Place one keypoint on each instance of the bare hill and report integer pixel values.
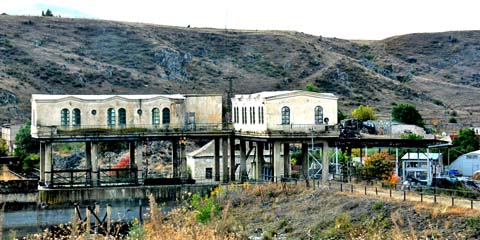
(437, 72)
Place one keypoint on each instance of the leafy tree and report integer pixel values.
(452, 120)
(465, 142)
(408, 114)
(48, 13)
(411, 136)
(364, 113)
(341, 116)
(379, 165)
(26, 149)
(3, 148)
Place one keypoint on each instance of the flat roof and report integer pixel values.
(103, 97)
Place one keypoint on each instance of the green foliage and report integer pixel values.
(3, 148)
(48, 13)
(377, 206)
(465, 142)
(411, 136)
(408, 114)
(341, 116)
(452, 120)
(136, 231)
(26, 148)
(364, 113)
(205, 208)
(312, 88)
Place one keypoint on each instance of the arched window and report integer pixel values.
(318, 115)
(285, 115)
(166, 116)
(111, 117)
(155, 116)
(65, 117)
(122, 117)
(76, 118)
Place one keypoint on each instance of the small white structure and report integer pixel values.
(467, 164)
(284, 111)
(9, 132)
(421, 166)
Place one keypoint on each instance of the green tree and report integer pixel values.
(26, 149)
(379, 165)
(48, 13)
(311, 88)
(364, 113)
(465, 142)
(408, 114)
(3, 148)
(452, 120)
(341, 116)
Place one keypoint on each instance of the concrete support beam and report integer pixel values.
(278, 166)
(232, 159)
(305, 160)
(260, 161)
(139, 160)
(286, 160)
(216, 159)
(133, 159)
(42, 162)
(88, 162)
(225, 159)
(243, 161)
(48, 164)
(325, 162)
(94, 156)
(175, 169)
(183, 162)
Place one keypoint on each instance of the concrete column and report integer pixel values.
(95, 174)
(139, 160)
(260, 161)
(42, 162)
(175, 158)
(325, 162)
(243, 160)
(286, 160)
(305, 160)
(48, 164)
(216, 158)
(232, 159)
(278, 167)
(183, 162)
(132, 162)
(225, 159)
(88, 162)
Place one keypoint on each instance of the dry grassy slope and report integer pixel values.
(79, 56)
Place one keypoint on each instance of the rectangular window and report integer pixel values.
(208, 173)
(253, 115)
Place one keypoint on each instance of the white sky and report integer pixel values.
(350, 19)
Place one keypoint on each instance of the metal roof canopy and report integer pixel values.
(375, 142)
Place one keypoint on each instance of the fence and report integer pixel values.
(411, 193)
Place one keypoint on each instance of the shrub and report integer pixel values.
(205, 208)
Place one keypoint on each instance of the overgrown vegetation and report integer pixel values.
(27, 149)
(408, 114)
(364, 113)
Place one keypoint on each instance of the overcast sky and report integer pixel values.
(350, 19)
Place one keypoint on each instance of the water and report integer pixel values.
(25, 222)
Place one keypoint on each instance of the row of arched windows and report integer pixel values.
(113, 117)
(318, 115)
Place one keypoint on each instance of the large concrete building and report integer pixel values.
(284, 111)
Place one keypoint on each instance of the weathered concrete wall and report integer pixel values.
(132, 193)
(207, 108)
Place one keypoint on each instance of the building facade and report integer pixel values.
(284, 111)
(70, 112)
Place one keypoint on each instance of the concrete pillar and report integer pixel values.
(286, 160)
(88, 162)
(216, 158)
(139, 160)
(243, 161)
(225, 159)
(95, 173)
(325, 162)
(175, 158)
(260, 161)
(132, 162)
(233, 162)
(278, 166)
(305, 160)
(42, 162)
(48, 164)
(183, 162)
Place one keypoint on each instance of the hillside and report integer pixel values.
(437, 72)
